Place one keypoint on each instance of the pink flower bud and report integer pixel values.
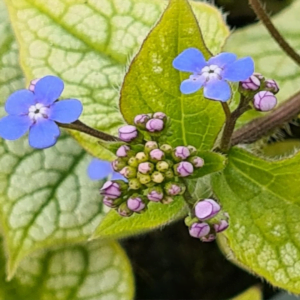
(111, 190)
(122, 151)
(182, 152)
(155, 125)
(159, 115)
(128, 133)
(199, 230)
(141, 120)
(32, 84)
(221, 226)
(155, 194)
(258, 75)
(252, 83)
(157, 155)
(184, 169)
(173, 190)
(209, 238)
(272, 86)
(264, 101)
(135, 204)
(108, 202)
(197, 161)
(145, 168)
(124, 211)
(150, 145)
(206, 209)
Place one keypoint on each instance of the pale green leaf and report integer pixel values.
(46, 197)
(263, 201)
(93, 271)
(269, 59)
(88, 43)
(253, 293)
(195, 120)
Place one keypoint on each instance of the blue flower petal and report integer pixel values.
(99, 169)
(13, 127)
(48, 89)
(43, 134)
(191, 85)
(190, 60)
(217, 90)
(66, 111)
(240, 70)
(118, 176)
(19, 102)
(222, 59)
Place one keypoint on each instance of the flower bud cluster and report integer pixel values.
(153, 169)
(262, 90)
(208, 220)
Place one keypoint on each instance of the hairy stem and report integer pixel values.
(260, 127)
(263, 16)
(79, 126)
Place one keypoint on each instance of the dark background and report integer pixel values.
(168, 263)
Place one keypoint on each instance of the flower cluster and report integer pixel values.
(153, 169)
(262, 91)
(207, 220)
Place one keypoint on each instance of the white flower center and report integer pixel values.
(211, 72)
(38, 111)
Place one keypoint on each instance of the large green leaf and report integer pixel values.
(98, 271)
(263, 201)
(114, 226)
(269, 59)
(46, 197)
(152, 84)
(87, 44)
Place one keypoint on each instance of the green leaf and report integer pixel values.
(253, 293)
(46, 197)
(152, 84)
(114, 226)
(91, 271)
(269, 59)
(213, 162)
(263, 201)
(87, 44)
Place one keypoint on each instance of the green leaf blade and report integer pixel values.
(262, 199)
(195, 120)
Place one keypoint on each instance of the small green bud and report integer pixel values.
(192, 149)
(169, 174)
(189, 221)
(150, 184)
(174, 188)
(133, 162)
(124, 211)
(196, 161)
(123, 186)
(150, 145)
(119, 164)
(167, 200)
(166, 148)
(141, 157)
(128, 172)
(144, 178)
(134, 184)
(162, 166)
(157, 177)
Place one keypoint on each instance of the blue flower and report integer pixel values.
(100, 169)
(213, 74)
(37, 111)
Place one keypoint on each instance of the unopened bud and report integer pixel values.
(144, 178)
(146, 168)
(141, 157)
(128, 133)
(208, 238)
(166, 148)
(141, 120)
(258, 75)
(221, 226)
(128, 172)
(156, 155)
(169, 174)
(181, 153)
(167, 200)
(159, 115)
(272, 86)
(111, 190)
(162, 166)
(206, 209)
(155, 125)
(264, 101)
(150, 145)
(134, 184)
(122, 151)
(118, 164)
(124, 211)
(173, 189)
(192, 149)
(199, 230)
(197, 161)
(183, 169)
(155, 194)
(252, 83)
(157, 177)
(136, 203)
(133, 162)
